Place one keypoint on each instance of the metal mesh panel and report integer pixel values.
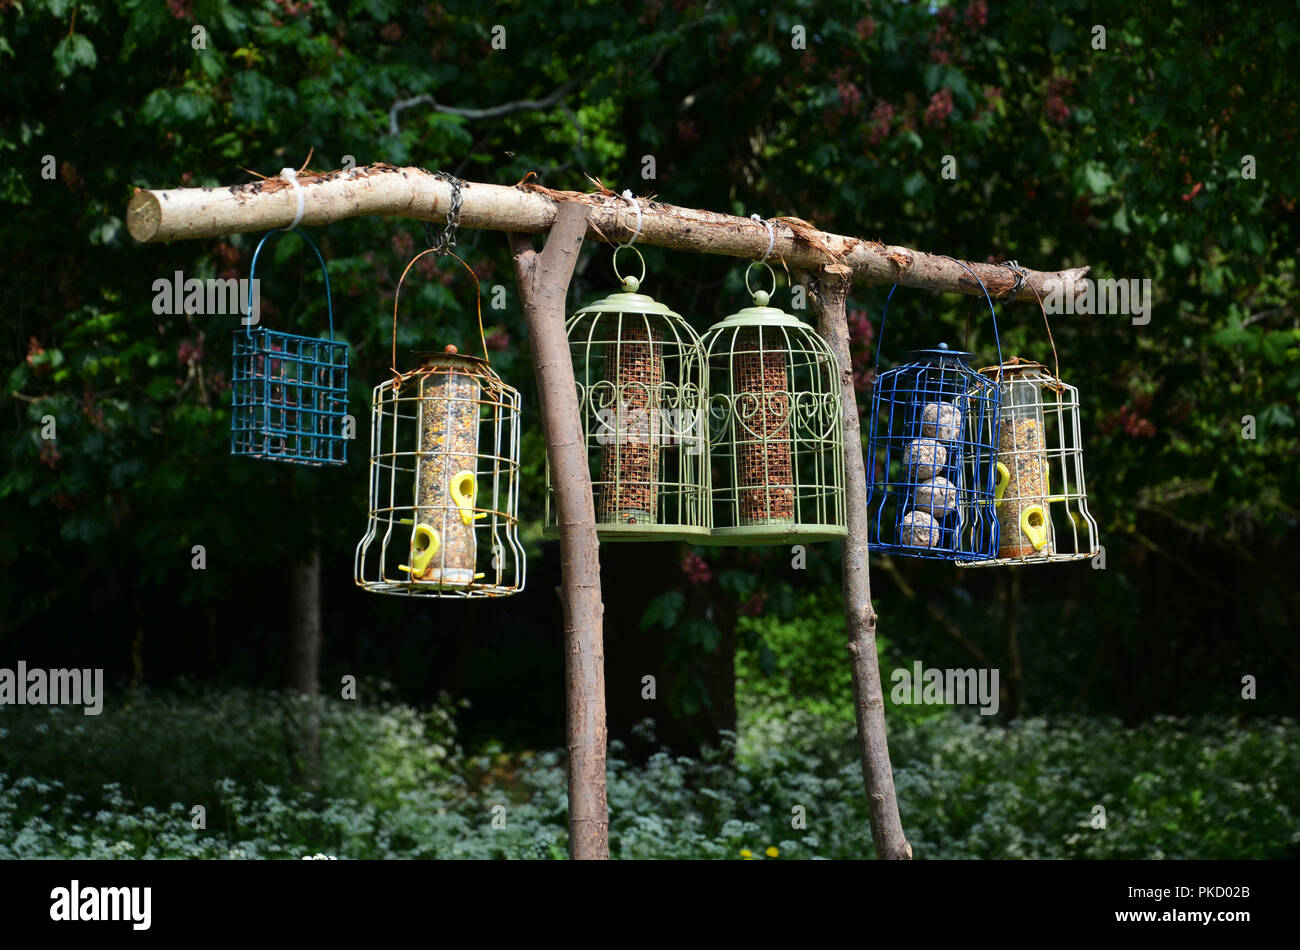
(630, 459)
(763, 465)
(289, 398)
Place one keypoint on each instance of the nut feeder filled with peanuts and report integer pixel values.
(776, 442)
(640, 376)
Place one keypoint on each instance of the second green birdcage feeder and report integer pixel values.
(640, 373)
(776, 432)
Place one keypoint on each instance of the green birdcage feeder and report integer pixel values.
(776, 432)
(641, 377)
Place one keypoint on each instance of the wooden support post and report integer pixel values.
(543, 290)
(829, 292)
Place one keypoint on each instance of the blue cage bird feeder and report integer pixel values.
(289, 393)
(931, 466)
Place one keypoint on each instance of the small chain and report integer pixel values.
(1021, 275)
(447, 240)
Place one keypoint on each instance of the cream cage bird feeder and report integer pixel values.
(776, 440)
(639, 369)
(1039, 494)
(444, 480)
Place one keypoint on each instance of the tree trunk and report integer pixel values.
(829, 293)
(543, 289)
(1013, 644)
(304, 668)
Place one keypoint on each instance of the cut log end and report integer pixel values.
(143, 216)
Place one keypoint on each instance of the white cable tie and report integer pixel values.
(291, 176)
(771, 235)
(627, 195)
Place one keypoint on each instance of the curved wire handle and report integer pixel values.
(252, 274)
(478, 299)
(628, 282)
(880, 340)
(768, 294)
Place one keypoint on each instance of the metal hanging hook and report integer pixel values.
(880, 337)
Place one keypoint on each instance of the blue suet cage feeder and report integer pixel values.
(288, 393)
(931, 465)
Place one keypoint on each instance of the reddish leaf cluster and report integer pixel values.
(92, 412)
(34, 352)
(1130, 421)
(227, 254)
(189, 353)
(850, 95)
(71, 177)
(696, 568)
(753, 605)
(49, 455)
(403, 244)
(1054, 104)
(940, 108)
(882, 117)
(294, 8)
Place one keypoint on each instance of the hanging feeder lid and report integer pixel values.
(447, 353)
(760, 317)
(628, 302)
(1013, 367)
(940, 353)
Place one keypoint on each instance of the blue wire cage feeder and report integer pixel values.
(289, 393)
(931, 465)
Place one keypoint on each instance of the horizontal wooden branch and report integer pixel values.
(383, 189)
